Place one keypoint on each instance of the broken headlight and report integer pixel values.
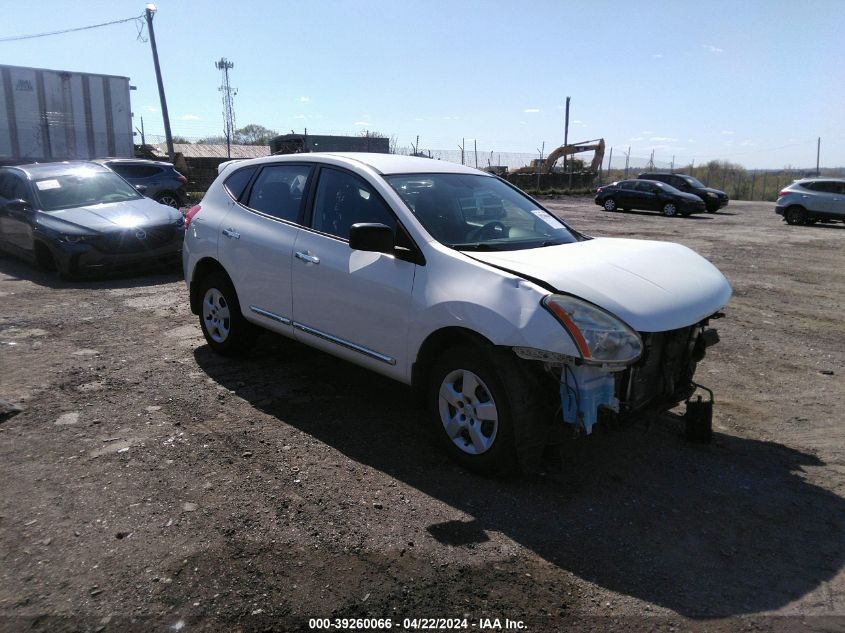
(600, 337)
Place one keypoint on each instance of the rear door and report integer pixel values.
(352, 304)
(16, 226)
(257, 238)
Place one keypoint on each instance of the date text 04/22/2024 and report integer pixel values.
(416, 624)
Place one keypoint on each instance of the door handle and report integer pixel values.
(310, 259)
(231, 234)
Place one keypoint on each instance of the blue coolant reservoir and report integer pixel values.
(583, 389)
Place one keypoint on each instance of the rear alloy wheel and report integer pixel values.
(796, 215)
(670, 210)
(610, 204)
(471, 410)
(224, 327)
(168, 198)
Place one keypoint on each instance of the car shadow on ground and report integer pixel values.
(22, 271)
(708, 531)
(657, 214)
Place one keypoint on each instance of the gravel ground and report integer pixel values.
(151, 485)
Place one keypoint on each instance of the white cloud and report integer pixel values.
(663, 138)
(299, 116)
(646, 132)
(189, 117)
(657, 56)
(362, 123)
(150, 109)
(690, 140)
(748, 142)
(450, 118)
(712, 49)
(304, 99)
(579, 122)
(635, 138)
(727, 132)
(419, 118)
(531, 110)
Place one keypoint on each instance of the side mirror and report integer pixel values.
(376, 238)
(142, 189)
(18, 206)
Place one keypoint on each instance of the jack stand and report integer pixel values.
(698, 419)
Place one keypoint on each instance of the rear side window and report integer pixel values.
(826, 186)
(135, 171)
(343, 200)
(237, 182)
(278, 191)
(627, 184)
(645, 185)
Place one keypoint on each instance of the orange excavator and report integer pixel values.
(547, 166)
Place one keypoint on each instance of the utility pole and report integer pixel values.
(228, 104)
(461, 146)
(150, 11)
(143, 139)
(566, 133)
(475, 149)
(609, 165)
(818, 154)
(673, 165)
(627, 156)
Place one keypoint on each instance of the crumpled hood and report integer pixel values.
(652, 286)
(107, 217)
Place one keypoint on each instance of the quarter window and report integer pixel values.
(278, 191)
(343, 200)
(237, 182)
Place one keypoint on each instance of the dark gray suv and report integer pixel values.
(713, 198)
(161, 180)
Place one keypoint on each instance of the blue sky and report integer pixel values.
(750, 82)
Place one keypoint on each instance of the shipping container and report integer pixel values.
(49, 115)
(297, 143)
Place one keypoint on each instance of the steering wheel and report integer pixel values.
(492, 229)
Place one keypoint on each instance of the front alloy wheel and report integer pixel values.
(670, 210)
(468, 412)
(610, 204)
(796, 216)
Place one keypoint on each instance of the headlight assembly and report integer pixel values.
(600, 337)
(712, 195)
(76, 239)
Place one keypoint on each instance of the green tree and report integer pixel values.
(253, 134)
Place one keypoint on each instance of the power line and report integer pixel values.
(15, 38)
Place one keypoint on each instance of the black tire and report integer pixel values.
(670, 210)
(225, 329)
(500, 457)
(609, 204)
(168, 198)
(795, 215)
(712, 209)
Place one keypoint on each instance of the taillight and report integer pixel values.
(182, 179)
(600, 189)
(782, 193)
(191, 213)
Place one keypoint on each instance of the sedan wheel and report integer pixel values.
(670, 210)
(610, 204)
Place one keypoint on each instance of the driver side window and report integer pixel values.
(343, 200)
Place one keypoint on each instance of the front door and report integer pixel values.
(352, 304)
(16, 225)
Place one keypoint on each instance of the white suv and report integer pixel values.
(510, 325)
(812, 199)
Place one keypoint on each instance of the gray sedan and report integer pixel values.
(81, 218)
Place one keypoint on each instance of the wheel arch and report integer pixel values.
(431, 348)
(204, 268)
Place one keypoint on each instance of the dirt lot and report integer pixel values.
(150, 485)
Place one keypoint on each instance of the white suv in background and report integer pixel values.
(510, 325)
(812, 199)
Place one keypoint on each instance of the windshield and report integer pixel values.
(694, 182)
(469, 212)
(83, 187)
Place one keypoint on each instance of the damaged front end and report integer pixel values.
(623, 374)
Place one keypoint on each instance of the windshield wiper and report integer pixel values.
(477, 246)
(552, 243)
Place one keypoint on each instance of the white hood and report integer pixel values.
(652, 286)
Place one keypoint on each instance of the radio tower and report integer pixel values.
(228, 103)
